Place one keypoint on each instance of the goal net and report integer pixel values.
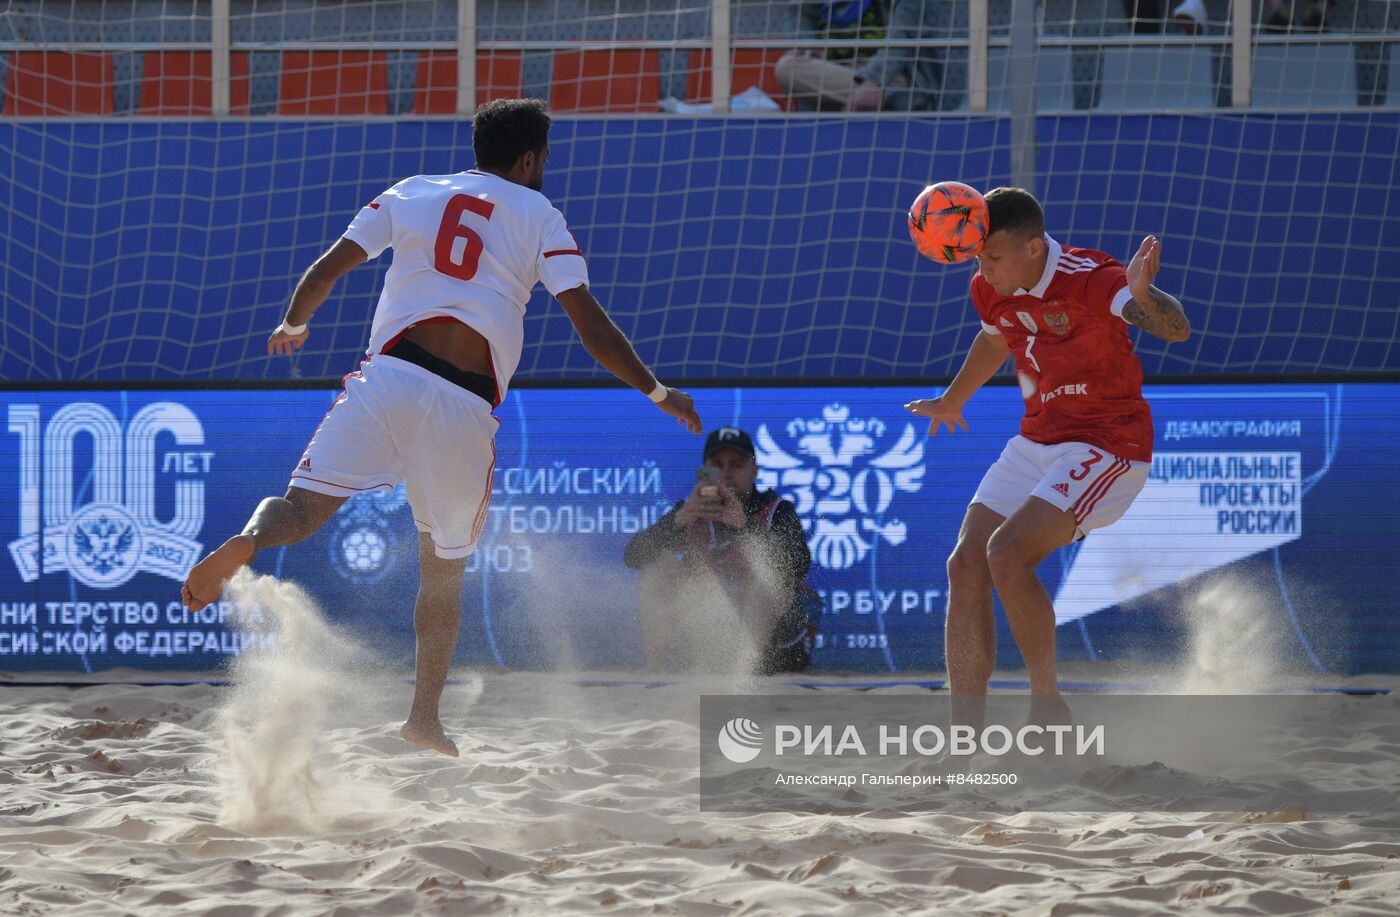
(146, 238)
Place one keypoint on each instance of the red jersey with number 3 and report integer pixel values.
(470, 247)
(1079, 376)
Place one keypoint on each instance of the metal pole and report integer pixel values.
(721, 77)
(466, 57)
(220, 73)
(1241, 54)
(977, 56)
(1022, 67)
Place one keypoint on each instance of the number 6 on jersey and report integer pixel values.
(448, 257)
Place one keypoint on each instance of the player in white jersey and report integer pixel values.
(446, 338)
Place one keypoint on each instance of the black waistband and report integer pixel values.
(484, 387)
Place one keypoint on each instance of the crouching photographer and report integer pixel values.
(723, 585)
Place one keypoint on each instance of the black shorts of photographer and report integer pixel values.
(723, 585)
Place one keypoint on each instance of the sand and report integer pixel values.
(291, 793)
(568, 799)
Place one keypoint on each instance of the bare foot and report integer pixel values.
(429, 735)
(206, 580)
(1050, 710)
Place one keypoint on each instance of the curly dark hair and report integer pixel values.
(1014, 210)
(506, 129)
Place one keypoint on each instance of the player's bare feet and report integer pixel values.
(206, 580)
(429, 734)
(1050, 710)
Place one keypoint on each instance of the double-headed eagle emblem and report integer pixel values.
(842, 488)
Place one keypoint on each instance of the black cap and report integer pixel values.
(729, 438)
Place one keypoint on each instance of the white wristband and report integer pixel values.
(659, 393)
(291, 329)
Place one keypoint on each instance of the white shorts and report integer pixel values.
(1096, 486)
(396, 422)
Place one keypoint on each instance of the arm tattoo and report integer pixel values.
(1161, 316)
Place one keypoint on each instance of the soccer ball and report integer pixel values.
(948, 222)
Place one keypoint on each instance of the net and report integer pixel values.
(145, 239)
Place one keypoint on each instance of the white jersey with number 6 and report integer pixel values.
(468, 246)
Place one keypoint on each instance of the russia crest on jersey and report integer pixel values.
(844, 475)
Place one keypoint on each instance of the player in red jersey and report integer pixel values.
(1085, 445)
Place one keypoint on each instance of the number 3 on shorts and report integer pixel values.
(446, 259)
(1083, 471)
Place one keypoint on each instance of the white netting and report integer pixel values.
(147, 239)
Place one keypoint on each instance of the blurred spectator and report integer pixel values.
(1147, 16)
(1298, 16)
(826, 79)
(907, 79)
(1315, 16)
(1190, 17)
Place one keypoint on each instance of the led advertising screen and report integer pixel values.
(111, 495)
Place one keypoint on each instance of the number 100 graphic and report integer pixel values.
(103, 529)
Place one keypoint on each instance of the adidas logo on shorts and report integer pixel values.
(1063, 489)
